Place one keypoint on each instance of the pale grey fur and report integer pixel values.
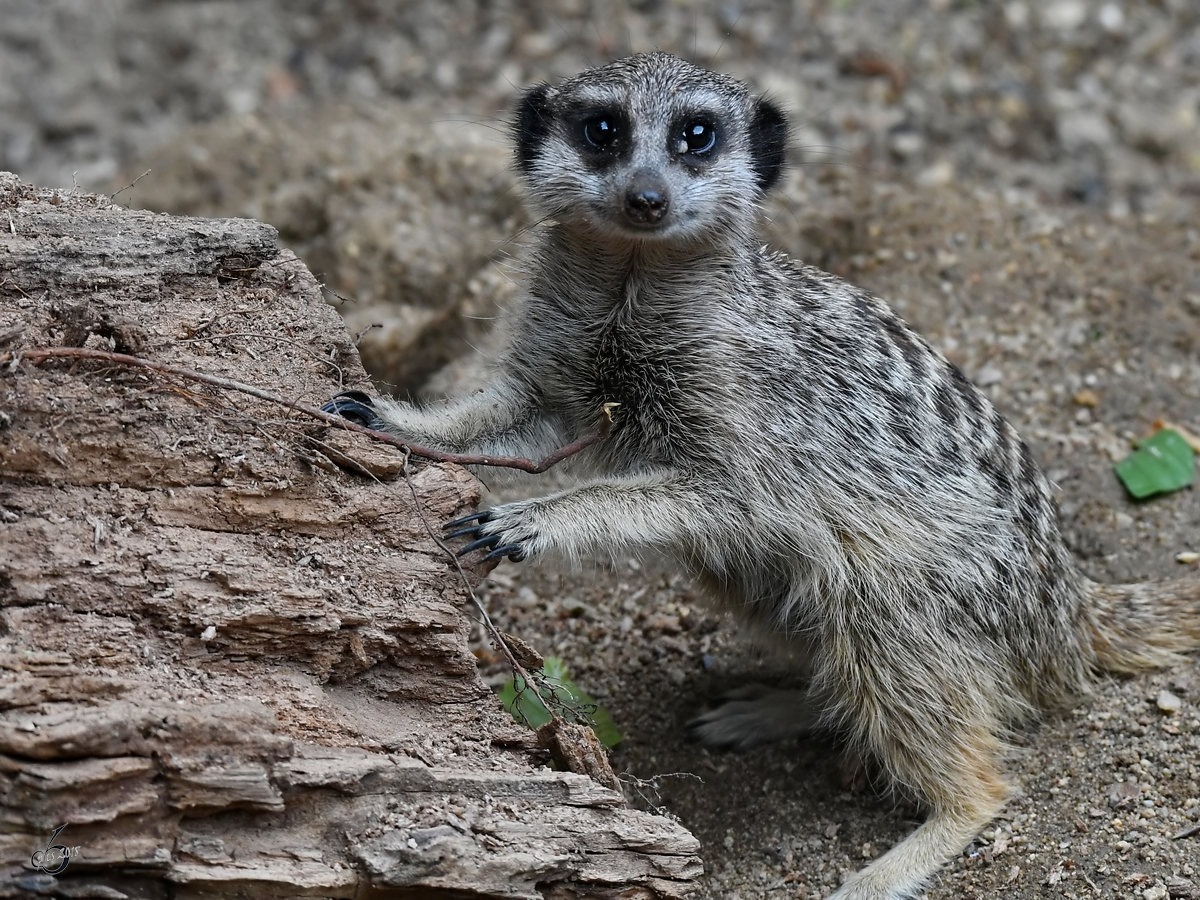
(785, 437)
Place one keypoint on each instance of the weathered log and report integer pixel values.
(227, 665)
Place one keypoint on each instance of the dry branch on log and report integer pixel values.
(462, 459)
(227, 666)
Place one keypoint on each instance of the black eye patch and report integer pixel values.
(602, 135)
(601, 132)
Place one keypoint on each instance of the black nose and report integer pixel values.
(646, 199)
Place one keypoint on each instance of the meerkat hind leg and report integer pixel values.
(753, 715)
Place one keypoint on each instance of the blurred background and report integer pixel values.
(1020, 178)
(1093, 101)
(373, 133)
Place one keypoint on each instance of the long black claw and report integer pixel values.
(482, 516)
(489, 541)
(462, 532)
(512, 551)
(354, 406)
(354, 412)
(356, 396)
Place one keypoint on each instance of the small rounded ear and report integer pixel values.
(768, 142)
(531, 125)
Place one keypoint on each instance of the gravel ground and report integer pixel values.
(1021, 180)
(1092, 102)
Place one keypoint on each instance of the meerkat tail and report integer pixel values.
(965, 789)
(1144, 626)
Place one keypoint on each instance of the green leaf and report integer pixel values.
(1163, 462)
(569, 700)
(523, 705)
(555, 669)
(606, 729)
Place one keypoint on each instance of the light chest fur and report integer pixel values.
(627, 333)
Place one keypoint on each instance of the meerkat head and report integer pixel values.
(649, 148)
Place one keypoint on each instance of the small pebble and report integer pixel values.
(1168, 702)
(939, 174)
(1111, 17)
(1188, 557)
(1123, 791)
(209, 633)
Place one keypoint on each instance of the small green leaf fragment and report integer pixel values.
(555, 669)
(606, 729)
(565, 696)
(523, 705)
(1163, 462)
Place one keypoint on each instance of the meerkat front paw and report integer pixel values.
(355, 406)
(500, 530)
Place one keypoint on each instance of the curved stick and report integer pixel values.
(463, 459)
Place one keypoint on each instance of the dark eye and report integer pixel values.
(698, 138)
(601, 132)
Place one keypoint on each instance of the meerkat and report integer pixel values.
(810, 459)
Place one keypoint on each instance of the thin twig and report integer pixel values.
(193, 332)
(7, 282)
(463, 459)
(358, 337)
(131, 184)
(501, 645)
(641, 785)
(326, 287)
(653, 782)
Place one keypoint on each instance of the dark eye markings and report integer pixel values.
(601, 133)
